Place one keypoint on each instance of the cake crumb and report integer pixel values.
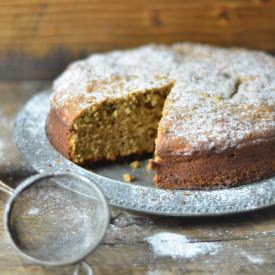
(149, 165)
(128, 177)
(135, 164)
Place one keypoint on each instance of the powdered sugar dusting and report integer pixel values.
(33, 211)
(222, 106)
(254, 259)
(220, 98)
(178, 246)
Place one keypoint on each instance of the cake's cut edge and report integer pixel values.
(110, 129)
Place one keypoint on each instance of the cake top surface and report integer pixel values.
(111, 75)
(119, 73)
(219, 105)
(220, 97)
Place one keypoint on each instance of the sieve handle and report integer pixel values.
(5, 188)
(85, 267)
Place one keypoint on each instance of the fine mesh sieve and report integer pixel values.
(56, 219)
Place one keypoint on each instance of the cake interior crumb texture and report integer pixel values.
(118, 128)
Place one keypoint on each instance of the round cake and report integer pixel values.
(207, 113)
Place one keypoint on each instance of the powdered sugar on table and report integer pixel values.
(178, 246)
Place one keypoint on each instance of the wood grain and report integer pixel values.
(125, 249)
(39, 38)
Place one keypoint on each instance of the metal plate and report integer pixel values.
(142, 196)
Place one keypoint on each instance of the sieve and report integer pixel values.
(56, 219)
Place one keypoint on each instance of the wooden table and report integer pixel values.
(246, 242)
(39, 38)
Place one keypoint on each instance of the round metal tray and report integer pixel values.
(32, 141)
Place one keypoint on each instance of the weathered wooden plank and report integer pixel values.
(39, 38)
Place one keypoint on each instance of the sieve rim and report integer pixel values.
(31, 180)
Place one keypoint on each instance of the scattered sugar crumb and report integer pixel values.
(178, 246)
(135, 164)
(2, 144)
(157, 272)
(33, 211)
(128, 177)
(149, 165)
(255, 259)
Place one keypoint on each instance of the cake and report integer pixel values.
(207, 113)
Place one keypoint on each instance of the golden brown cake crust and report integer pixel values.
(229, 168)
(58, 133)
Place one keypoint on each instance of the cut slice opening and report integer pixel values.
(118, 127)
